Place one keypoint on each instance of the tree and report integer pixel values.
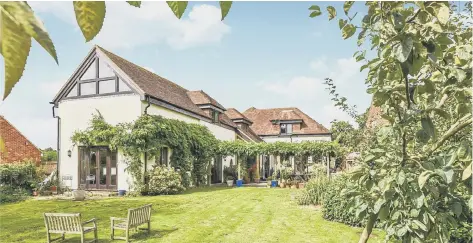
(48, 154)
(18, 24)
(414, 176)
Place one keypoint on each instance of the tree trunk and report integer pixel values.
(369, 227)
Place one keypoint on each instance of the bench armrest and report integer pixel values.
(94, 220)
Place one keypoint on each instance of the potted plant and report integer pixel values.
(283, 183)
(288, 183)
(230, 180)
(294, 184)
(301, 185)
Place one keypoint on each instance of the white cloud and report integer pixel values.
(319, 64)
(154, 22)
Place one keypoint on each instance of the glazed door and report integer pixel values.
(98, 168)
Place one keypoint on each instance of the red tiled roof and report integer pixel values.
(234, 114)
(156, 86)
(17, 147)
(199, 97)
(263, 125)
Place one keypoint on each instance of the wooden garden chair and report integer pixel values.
(68, 223)
(135, 218)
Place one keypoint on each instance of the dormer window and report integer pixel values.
(286, 129)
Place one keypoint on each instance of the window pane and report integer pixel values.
(84, 160)
(92, 168)
(73, 91)
(103, 167)
(289, 128)
(90, 73)
(107, 86)
(283, 128)
(88, 88)
(164, 156)
(104, 70)
(113, 169)
(122, 86)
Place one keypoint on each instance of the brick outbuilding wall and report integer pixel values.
(18, 147)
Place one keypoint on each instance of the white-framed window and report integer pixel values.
(286, 128)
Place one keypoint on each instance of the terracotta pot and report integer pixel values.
(301, 185)
(293, 187)
(35, 193)
(282, 185)
(53, 188)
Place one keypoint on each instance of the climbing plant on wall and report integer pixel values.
(192, 145)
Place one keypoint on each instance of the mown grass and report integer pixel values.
(203, 215)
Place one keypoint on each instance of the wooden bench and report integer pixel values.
(67, 223)
(135, 218)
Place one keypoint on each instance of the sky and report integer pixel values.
(263, 55)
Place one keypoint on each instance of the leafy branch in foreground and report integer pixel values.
(414, 176)
(18, 24)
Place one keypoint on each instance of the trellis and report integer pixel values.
(315, 149)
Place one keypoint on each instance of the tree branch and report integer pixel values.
(459, 125)
(413, 17)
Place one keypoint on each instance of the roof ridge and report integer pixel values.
(142, 68)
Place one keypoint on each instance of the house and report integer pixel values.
(17, 147)
(284, 125)
(122, 91)
(243, 123)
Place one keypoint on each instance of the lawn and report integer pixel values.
(213, 214)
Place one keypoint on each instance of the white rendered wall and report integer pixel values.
(76, 114)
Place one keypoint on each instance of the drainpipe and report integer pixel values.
(149, 104)
(146, 153)
(58, 142)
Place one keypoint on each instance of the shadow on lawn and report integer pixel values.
(207, 189)
(135, 236)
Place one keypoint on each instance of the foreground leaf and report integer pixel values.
(332, 13)
(178, 7)
(134, 3)
(315, 11)
(404, 49)
(348, 31)
(424, 177)
(225, 8)
(90, 17)
(428, 126)
(467, 172)
(22, 13)
(14, 46)
(347, 5)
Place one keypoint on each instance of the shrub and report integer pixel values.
(164, 181)
(9, 194)
(314, 191)
(336, 205)
(462, 234)
(19, 175)
(230, 171)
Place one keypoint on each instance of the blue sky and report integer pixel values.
(265, 54)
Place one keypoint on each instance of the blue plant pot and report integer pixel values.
(274, 183)
(239, 183)
(121, 193)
